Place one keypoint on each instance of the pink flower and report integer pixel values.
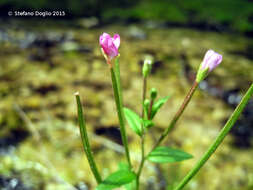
(211, 60)
(110, 45)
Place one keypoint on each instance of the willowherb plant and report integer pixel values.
(126, 176)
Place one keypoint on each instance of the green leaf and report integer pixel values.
(147, 123)
(157, 105)
(163, 154)
(133, 120)
(117, 179)
(132, 184)
(123, 166)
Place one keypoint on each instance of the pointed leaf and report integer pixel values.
(163, 154)
(134, 121)
(157, 105)
(117, 179)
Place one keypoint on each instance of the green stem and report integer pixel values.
(144, 94)
(85, 140)
(119, 106)
(171, 125)
(143, 135)
(177, 115)
(150, 108)
(117, 74)
(227, 127)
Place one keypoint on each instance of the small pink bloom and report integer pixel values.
(211, 60)
(110, 45)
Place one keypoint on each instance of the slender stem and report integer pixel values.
(171, 125)
(177, 115)
(119, 106)
(227, 127)
(144, 94)
(143, 135)
(142, 162)
(150, 108)
(85, 140)
(117, 74)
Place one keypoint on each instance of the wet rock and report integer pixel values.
(7, 183)
(12, 139)
(242, 132)
(111, 132)
(247, 52)
(88, 22)
(156, 66)
(81, 186)
(232, 97)
(46, 89)
(74, 46)
(152, 24)
(136, 33)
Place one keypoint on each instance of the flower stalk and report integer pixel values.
(223, 133)
(85, 140)
(143, 135)
(146, 69)
(177, 115)
(119, 106)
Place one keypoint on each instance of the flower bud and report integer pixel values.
(210, 62)
(146, 103)
(109, 45)
(153, 93)
(146, 69)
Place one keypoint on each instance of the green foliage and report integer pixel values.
(157, 105)
(117, 179)
(163, 154)
(232, 14)
(147, 123)
(131, 185)
(134, 121)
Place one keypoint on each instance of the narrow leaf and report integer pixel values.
(163, 154)
(117, 179)
(133, 120)
(85, 139)
(157, 105)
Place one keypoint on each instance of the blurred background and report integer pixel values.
(49, 50)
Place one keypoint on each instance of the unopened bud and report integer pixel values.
(153, 93)
(146, 69)
(210, 62)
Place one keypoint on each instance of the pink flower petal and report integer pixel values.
(110, 45)
(116, 40)
(211, 60)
